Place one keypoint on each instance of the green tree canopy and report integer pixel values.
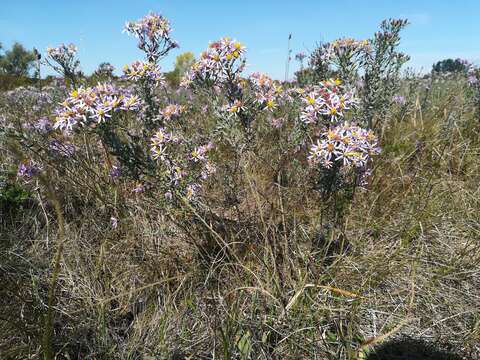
(183, 63)
(450, 65)
(17, 61)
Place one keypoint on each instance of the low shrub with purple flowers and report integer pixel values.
(235, 215)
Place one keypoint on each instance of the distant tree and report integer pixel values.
(450, 65)
(183, 63)
(304, 76)
(104, 70)
(18, 61)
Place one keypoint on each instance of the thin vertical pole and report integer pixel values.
(289, 51)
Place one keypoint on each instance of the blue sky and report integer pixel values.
(439, 29)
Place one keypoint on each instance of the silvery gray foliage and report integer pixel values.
(371, 66)
(381, 68)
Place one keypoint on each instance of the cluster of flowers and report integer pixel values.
(62, 60)
(343, 48)
(217, 62)
(349, 43)
(399, 100)
(178, 177)
(151, 26)
(143, 71)
(43, 126)
(267, 92)
(159, 143)
(62, 149)
(115, 171)
(349, 144)
(171, 111)
(27, 170)
(328, 100)
(473, 79)
(62, 53)
(91, 105)
(339, 144)
(473, 74)
(153, 34)
(234, 108)
(30, 99)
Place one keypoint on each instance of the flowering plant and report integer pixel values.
(153, 34)
(143, 71)
(63, 60)
(141, 141)
(223, 61)
(349, 144)
(372, 66)
(327, 101)
(93, 105)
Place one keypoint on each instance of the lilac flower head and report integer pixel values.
(114, 222)
(138, 188)
(399, 99)
(63, 149)
(115, 172)
(199, 154)
(192, 191)
(43, 126)
(208, 170)
(28, 170)
(158, 143)
(172, 111)
(473, 80)
(277, 122)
